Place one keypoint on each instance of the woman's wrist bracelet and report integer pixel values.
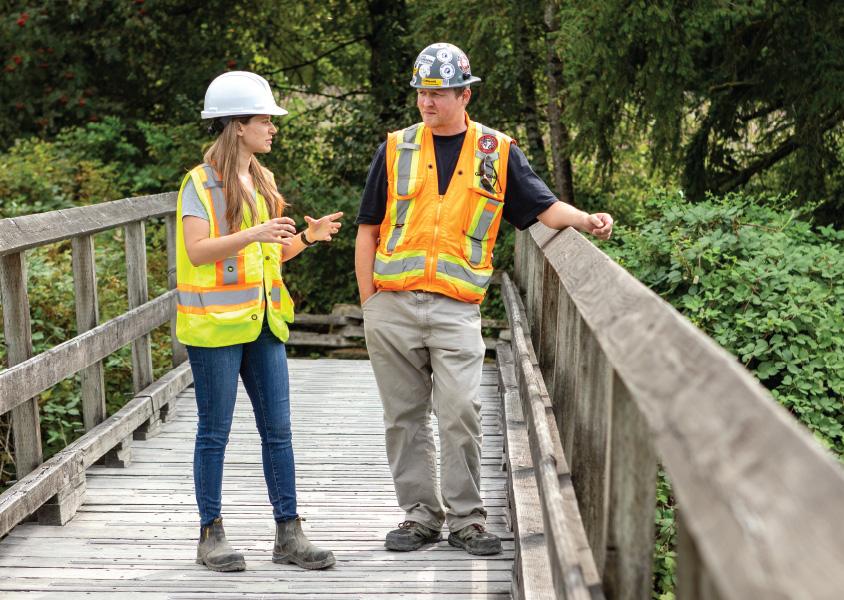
(304, 237)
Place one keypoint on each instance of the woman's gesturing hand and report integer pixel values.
(278, 230)
(321, 230)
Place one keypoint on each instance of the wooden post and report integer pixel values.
(136, 280)
(179, 351)
(88, 317)
(548, 324)
(519, 260)
(589, 462)
(565, 381)
(17, 329)
(630, 531)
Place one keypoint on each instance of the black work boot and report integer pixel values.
(214, 551)
(411, 536)
(475, 539)
(291, 546)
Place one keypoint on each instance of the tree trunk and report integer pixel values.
(526, 62)
(390, 62)
(560, 139)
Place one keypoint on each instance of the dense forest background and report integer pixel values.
(712, 130)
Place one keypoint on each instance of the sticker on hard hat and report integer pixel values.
(431, 82)
(424, 70)
(444, 55)
(425, 59)
(487, 143)
(447, 71)
(463, 63)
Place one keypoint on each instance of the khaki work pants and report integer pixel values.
(427, 354)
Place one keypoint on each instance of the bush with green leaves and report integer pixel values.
(763, 283)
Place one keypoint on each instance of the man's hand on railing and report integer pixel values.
(600, 225)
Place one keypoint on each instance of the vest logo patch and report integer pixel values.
(487, 143)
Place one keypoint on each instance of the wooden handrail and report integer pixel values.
(761, 503)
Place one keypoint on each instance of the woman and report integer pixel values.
(233, 310)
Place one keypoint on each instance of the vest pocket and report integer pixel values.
(482, 217)
(399, 212)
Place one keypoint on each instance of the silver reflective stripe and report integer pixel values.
(406, 151)
(275, 294)
(477, 236)
(401, 214)
(230, 272)
(493, 156)
(449, 268)
(394, 267)
(217, 198)
(218, 298)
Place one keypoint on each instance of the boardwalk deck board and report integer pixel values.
(135, 534)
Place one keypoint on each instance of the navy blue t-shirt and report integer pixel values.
(526, 195)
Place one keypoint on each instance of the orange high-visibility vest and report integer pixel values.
(442, 243)
(223, 303)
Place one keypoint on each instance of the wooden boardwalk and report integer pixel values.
(136, 533)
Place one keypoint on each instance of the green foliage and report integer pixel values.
(764, 284)
(665, 554)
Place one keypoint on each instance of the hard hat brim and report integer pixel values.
(452, 84)
(270, 110)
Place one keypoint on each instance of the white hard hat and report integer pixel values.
(240, 93)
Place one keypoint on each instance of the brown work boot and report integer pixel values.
(291, 546)
(214, 551)
(411, 536)
(475, 539)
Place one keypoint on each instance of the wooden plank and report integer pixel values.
(136, 285)
(630, 530)
(17, 330)
(568, 565)
(178, 350)
(48, 368)
(693, 581)
(531, 570)
(21, 233)
(23, 498)
(328, 340)
(88, 317)
(590, 461)
(725, 442)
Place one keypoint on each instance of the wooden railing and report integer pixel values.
(55, 488)
(629, 383)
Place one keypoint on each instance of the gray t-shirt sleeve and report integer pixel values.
(191, 205)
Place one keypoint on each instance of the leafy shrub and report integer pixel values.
(763, 283)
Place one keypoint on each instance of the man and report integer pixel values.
(430, 213)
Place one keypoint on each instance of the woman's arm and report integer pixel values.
(203, 250)
(318, 230)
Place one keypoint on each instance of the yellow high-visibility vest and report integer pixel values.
(442, 243)
(223, 303)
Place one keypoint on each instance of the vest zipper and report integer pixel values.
(432, 255)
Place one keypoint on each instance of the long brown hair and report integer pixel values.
(222, 155)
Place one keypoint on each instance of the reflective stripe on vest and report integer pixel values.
(216, 300)
(399, 265)
(454, 268)
(406, 165)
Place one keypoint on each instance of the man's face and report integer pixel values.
(441, 109)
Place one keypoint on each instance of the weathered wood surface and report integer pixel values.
(531, 570)
(22, 233)
(570, 557)
(17, 330)
(48, 368)
(136, 532)
(88, 317)
(65, 467)
(762, 501)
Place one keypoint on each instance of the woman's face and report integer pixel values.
(256, 135)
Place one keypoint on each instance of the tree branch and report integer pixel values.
(318, 57)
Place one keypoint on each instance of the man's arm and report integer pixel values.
(366, 244)
(561, 215)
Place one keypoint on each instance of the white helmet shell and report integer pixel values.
(240, 93)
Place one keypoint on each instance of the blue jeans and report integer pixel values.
(262, 366)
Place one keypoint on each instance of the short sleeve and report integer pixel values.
(526, 196)
(373, 204)
(191, 205)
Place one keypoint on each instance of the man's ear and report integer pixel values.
(467, 95)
